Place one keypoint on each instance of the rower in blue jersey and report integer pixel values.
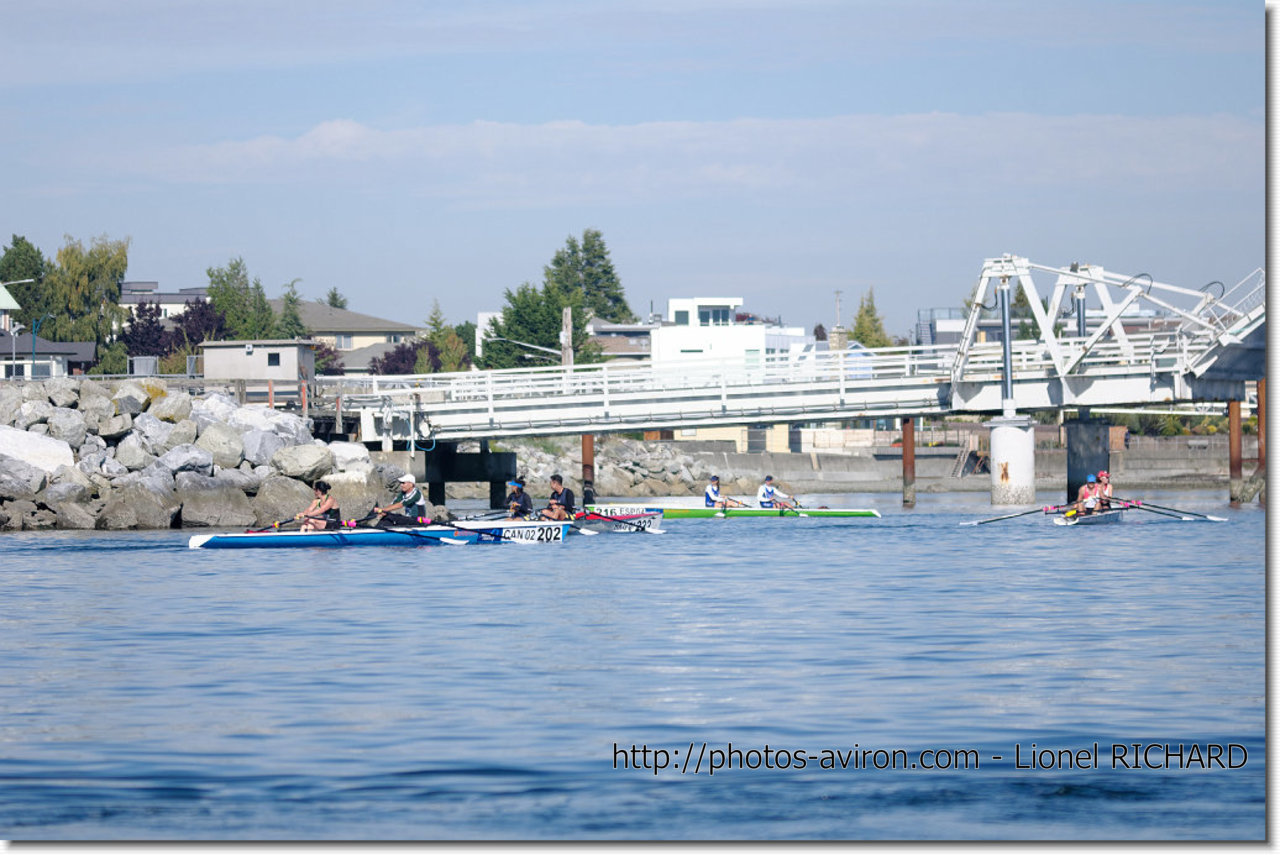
(770, 496)
(713, 499)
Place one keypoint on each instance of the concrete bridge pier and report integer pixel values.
(1013, 460)
(588, 468)
(1088, 452)
(445, 463)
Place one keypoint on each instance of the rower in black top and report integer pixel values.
(561, 502)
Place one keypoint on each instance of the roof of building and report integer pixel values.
(321, 318)
(262, 342)
(75, 351)
(357, 361)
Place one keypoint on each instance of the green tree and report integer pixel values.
(868, 327)
(289, 324)
(22, 260)
(81, 293)
(335, 299)
(534, 316)
(586, 268)
(451, 351)
(244, 305)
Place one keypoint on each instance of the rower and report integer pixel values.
(323, 512)
(519, 503)
(1087, 496)
(770, 496)
(1104, 490)
(713, 499)
(560, 505)
(410, 502)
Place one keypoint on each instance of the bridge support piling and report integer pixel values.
(1262, 438)
(908, 462)
(1013, 460)
(444, 463)
(588, 468)
(1088, 452)
(1235, 453)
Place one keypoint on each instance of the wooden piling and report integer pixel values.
(588, 468)
(908, 462)
(1234, 451)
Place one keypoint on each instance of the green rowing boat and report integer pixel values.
(705, 513)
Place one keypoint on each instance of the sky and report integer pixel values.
(409, 151)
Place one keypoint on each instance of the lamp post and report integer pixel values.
(13, 351)
(35, 330)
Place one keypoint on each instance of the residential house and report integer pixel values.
(171, 303)
(358, 338)
(47, 359)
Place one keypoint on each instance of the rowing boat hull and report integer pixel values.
(1101, 518)
(622, 520)
(463, 532)
(703, 513)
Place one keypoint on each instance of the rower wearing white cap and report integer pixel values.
(411, 506)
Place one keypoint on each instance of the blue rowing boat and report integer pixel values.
(456, 534)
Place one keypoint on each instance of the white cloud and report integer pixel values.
(499, 164)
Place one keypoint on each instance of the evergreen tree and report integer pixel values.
(22, 260)
(535, 316)
(244, 306)
(450, 352)
(335, 299)
(868, 327)
(289, 324)
(586, 268)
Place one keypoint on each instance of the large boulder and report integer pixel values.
(155, 432)
(291, 428)
(173, 407)
(139, 504)
(246, 481)
(74, 516)
(43, 452)
(67, 425)
(260, 445)
(357, 492)
(279, 498)
(207, 502)
(183, 433)
(224, 443)
(350, 455)
(19, 479)
(187, 458)
(63, 491)
(114, 427)
(131, 398)
(211, 409)
(62, 391)
(132, 453)
(304, 462)
(32, 412)
(10, 401)
(34, 392)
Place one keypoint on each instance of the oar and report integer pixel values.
(1145, 505)
(724, 511)
(1142, 507)
(1044, 510)
(627, 522)
(275, 525)
(356, 523)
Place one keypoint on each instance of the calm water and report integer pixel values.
(151, 691)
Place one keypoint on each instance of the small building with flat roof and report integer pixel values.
(289, 360)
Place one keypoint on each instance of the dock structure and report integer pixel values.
(1211, 342)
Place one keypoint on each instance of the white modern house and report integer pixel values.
(134, 292)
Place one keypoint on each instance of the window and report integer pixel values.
(342, 341)
(273, 359)
(713, 316)
(682, 318)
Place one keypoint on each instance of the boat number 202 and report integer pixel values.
(541, 534)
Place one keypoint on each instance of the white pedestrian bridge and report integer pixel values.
(1196, 345)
